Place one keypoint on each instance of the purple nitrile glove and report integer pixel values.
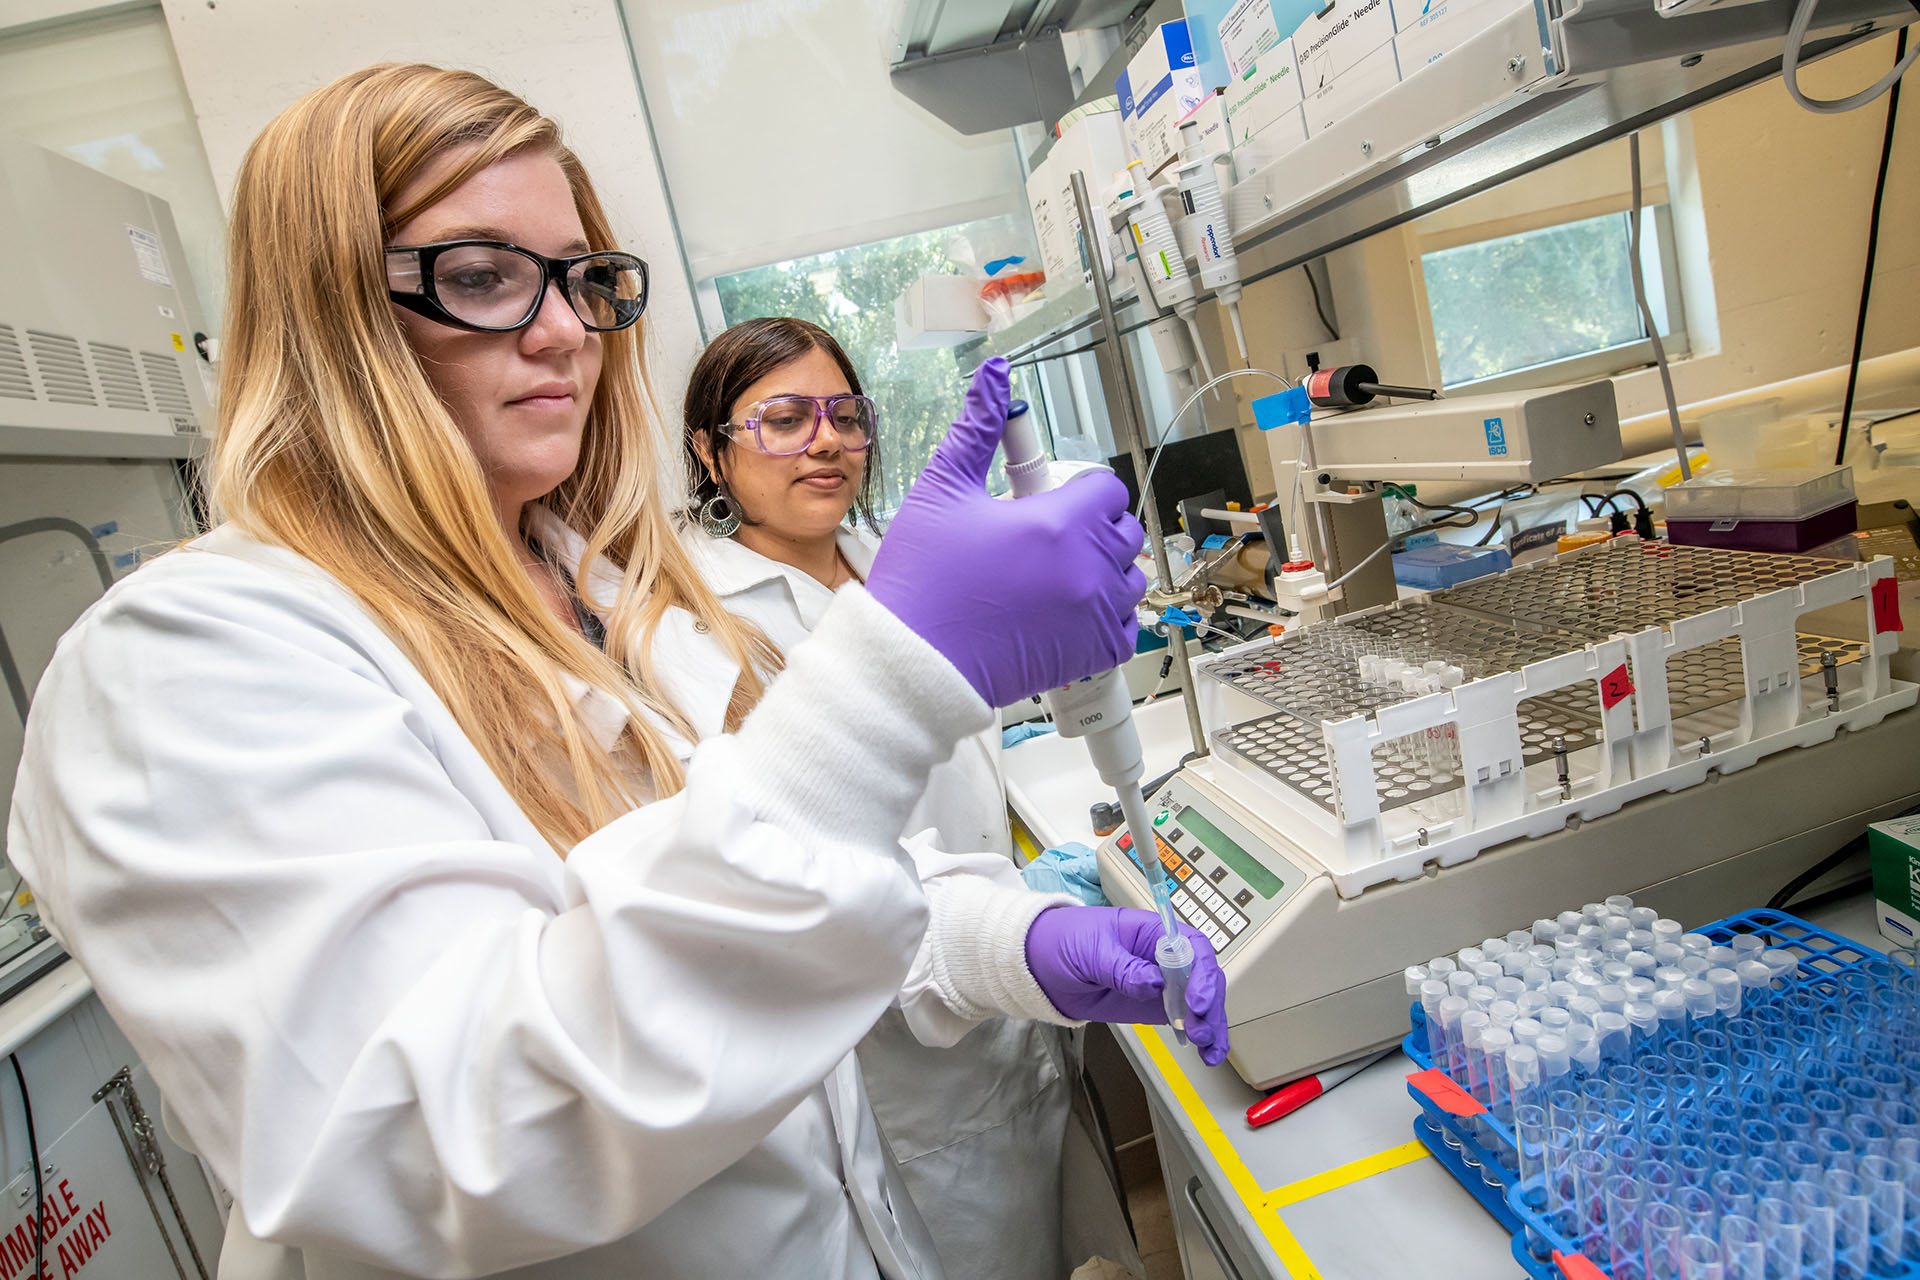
(1096, 964)
(1021, 596)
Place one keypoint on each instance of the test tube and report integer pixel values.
(1523, 1076)
(1442, 967)
(1721, 957)
(1612, 997)
(1468, 1059)
(1610, 1029)
(1801, 1159)
(1747, 945)
(1693, 1165)
(1615, 927)
(1667, 930)
(1732, 1192)
(1468, 957)
(1694, 965)
(1533, 1004)
(1669, 978)
(1519, 939)
(1488, 972)
(1886, 1194)
(1701, 1002)
(1643, 1020)
(1814, 1208)
(1700, 1259)
(1695, 943)
(1537, 976)
(1459, 982)
(1670, 1007)
(1494, 948)
(1785, 1239)
(1642, 917)
(1784, 964)
(1661, 1228)
(1530, 1140)
(1741, 1250)
(1726, 990)
(1666, 955)
(1448, 1058)
(1569, 921)
(1430, 994)
(1590, 1173)
(1416, 975)
(1554, 1019)
(1619, 904)
(1545, 931)
(1624, 1202)
(1495, 1041)
(1584, 1008)
(1642, 965)
(1509, 988)
(1515, 963)
(1640, 939)
(1713, 1043)
(1616, 948)
(1769, 1178)
(1835, 1148)
(1583, 1048)
(1556, 1060)
(1852, 1214)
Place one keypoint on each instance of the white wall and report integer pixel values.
(245, 60)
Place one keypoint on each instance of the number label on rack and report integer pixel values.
(1615, 686)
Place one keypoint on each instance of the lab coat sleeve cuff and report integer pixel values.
(977, 940)
(842, 743)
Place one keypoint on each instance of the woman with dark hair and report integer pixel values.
(782, 449)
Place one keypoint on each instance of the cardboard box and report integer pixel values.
(1269, 91)
(1095, 147)
(939, 311)
(1247, 31)
(1337, 40)
(1157, 90)
(1894, 847)
(1211, 116)
(1429, 29)
(1270, 144)
(1360, 84)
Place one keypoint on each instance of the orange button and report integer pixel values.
(1183, 872)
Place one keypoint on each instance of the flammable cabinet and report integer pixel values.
(119, 1199)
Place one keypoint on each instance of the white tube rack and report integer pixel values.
(1595, 678)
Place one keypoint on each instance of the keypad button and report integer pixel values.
(1173, 834)
(1219, 875)
(1220, 943)
(1236, 921)
(1243, 897)
(1183, 871)
(1126, 841)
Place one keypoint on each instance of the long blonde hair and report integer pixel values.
(333, 444)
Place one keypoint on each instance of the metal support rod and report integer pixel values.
(1128, 425)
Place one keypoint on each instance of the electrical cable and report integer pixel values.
(1794, 887)
(1638, 500)
(1166, 432)
(1319, 307)
(39, 1190)
(1430, 506)
(1790, 68)
(1873, 241)
(1646, 312)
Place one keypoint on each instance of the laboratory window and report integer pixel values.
(850, 293)
(1552, 303)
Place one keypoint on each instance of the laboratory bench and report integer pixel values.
(1338, 1189)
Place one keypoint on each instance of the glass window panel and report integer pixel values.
(1529, 299)
(850, 293)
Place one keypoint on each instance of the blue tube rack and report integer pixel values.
(1480, 1151)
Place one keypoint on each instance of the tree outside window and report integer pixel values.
(850, 293)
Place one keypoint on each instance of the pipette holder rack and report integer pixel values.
(1592, 679)
(1480, 1151)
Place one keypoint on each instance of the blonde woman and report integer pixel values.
(392, 875)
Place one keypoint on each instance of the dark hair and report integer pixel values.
(734, 361)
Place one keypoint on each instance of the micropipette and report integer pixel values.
(1099, 709)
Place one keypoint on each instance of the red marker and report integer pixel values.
(1289, 1098)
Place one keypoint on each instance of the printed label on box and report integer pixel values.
(1339, 38)
(1496, 438)
(1428, 33)
(1248, 30)
(1270, 144)
(1378, 72)
(1266, 95)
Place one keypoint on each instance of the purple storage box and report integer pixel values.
(1790, 536)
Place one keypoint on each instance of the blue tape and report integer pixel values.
(1214, 542)
(105, 529)
(1282, 408)
(126, 560)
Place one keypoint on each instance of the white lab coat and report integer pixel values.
(410, 1037)
(978, 1127)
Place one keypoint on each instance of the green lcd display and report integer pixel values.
(1243, 864)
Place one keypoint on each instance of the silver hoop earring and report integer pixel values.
(719, 518)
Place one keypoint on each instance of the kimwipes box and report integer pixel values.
(1894, 846)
